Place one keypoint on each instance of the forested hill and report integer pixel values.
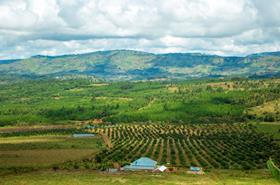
(135, 65)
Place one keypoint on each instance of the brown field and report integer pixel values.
(45, 150)
(114, 98)
(268, 107)
(32, 128)
(31, 139)
(42, 158)
(99, 85)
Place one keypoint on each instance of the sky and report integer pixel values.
(57, 27)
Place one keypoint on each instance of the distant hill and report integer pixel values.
(135, 65)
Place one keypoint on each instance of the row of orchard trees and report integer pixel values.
(220, 146)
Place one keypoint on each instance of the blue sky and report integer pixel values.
(55, 27)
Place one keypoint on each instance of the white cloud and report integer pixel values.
(30, 27)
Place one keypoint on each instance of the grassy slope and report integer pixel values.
(84, 177)
(54, 101)
(270, 128)
(266, 109)
(126, 65)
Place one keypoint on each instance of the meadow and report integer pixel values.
(270, 128)
(215, 177)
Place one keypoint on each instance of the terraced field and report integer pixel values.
(237, 146)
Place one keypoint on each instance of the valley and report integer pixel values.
(214, 124)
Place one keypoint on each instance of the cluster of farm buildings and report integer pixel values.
(147, 164)
(143, 163)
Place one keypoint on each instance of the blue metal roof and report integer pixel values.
(83, 135)
(129, 167)
(144, 161)
(196, 169)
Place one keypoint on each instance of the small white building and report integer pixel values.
(160, 169)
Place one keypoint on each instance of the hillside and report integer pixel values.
(135, 65)
(196, 101)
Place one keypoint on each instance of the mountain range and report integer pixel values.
(117, 65)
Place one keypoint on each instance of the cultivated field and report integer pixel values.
(214, 124)
(43, 151)
(226, 146)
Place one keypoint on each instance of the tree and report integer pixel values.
(165, 107)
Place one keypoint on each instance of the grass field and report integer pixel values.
(45, 150)
(270, 128)
(264, 111)
(225, 177)
(9, 129)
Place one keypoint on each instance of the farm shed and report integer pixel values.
(83, 135)
(195, 170)
(112, 170)
(143, 163)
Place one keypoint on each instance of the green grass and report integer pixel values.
(91, 177)
(65, 101)
(48, 142)
(275, 171)
(270, 128)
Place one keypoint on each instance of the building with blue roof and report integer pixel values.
(83, 135)
(195, 169)
(143, 163)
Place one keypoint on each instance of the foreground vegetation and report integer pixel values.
(228, 177)
(275, 171)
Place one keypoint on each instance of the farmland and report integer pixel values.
(44, 151)
(183, 92)
(219, 125)
(222, 146)
(35, 102)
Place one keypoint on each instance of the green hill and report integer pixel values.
(136, 65)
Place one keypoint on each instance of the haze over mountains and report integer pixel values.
(135, 65)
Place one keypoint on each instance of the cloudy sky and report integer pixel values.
(54, 27)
